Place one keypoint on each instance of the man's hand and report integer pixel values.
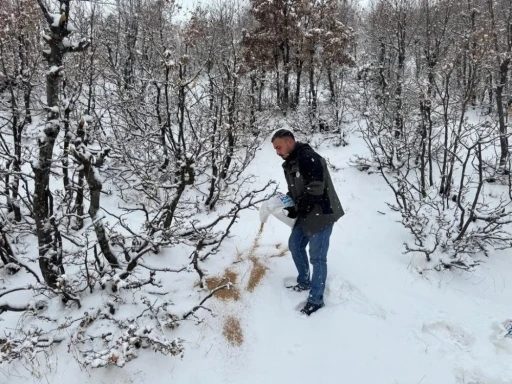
(305, 204)
(292, 212)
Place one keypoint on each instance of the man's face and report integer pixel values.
(284, 146)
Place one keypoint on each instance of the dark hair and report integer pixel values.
(281, 133)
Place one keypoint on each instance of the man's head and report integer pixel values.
(284, 142)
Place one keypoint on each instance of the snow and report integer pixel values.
(56, 19)
(71, 27)
(54, 69)
(383, 322)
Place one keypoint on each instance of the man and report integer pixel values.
(317, 208)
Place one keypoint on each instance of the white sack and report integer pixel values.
(275, 207)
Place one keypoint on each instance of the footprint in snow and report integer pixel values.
(448, 333)
(342, 292)
(477, 376)
(502, 343)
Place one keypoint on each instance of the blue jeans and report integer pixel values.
(318, 247)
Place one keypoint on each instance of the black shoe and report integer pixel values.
(309, 308)
(299, 287)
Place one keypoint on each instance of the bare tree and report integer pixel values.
(500, 13)
(58, 42)
(19, 65)
(439, 185)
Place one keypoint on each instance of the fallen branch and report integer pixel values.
(12, 308)
(200, 305)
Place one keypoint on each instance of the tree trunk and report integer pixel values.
(16, 167)
(502, 112)
(171, 208)
(6, 252)
(312, 88)
(65, 158)
(490, 93)
(296, 100)
(331, 84)
(260, 91)
(131, 31)
(79, 201)
(231, 136)
(48, 261)
(286, 77)
(252, 112)
(399, 118)
(278, 77)
(215, 170)
(382, 62)
(503, 56)
(95, 187)
(443, 190)
(26, 96)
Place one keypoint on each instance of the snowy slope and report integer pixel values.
(383, 322)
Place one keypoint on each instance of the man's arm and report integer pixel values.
(289, 193)
(291, 211)
(312, 171)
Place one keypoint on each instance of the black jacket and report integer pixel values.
(309, 180)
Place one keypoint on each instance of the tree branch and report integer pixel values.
(46, 14)
(200, 305)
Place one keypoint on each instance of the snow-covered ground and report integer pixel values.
(383, 322)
